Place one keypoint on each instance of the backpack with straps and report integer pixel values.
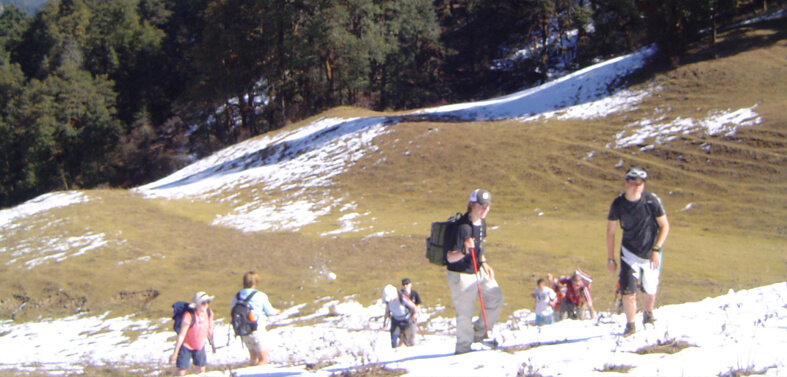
(180, 307)
(243, 320)
(399, 309)
(439, 240)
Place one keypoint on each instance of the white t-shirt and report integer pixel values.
(543, 297)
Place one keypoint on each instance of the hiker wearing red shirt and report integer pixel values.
(196, 331)
(577, 294)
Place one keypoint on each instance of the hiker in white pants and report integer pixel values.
(466, 256)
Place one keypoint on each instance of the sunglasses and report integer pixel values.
(634, 181)
(634, 174)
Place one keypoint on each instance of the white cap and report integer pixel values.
(199, 298)
(481, 197)
(390, 293)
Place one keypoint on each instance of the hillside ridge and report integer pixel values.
(351, 195)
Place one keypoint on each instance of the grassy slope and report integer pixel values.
(733, 237)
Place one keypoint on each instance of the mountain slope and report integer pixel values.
(351, 194)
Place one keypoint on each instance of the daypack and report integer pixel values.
(243, 320)
(180, 307)
(440, 238)
(397, 307)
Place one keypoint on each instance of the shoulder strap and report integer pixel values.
(248, 298)
(193, 317)
(404, 300)
(646, 196)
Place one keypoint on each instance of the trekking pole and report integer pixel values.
(480, 295)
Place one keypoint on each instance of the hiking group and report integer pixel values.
(470, 277)
(458, 244)
(561, 298)
(193, 322)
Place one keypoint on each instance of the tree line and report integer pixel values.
(120, 92)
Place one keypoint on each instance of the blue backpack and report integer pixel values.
(178, 309)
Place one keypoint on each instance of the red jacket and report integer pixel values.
(576, 296)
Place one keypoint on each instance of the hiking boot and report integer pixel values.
(647, 318)
(490, 343)
(630, 330)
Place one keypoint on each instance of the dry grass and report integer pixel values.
(669, 346)
(733, 237)
(749, 371)
(615, 368)
(370, 370)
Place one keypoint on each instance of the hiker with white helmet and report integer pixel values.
(469, 275)
(196, 329)
(645, 228)
(402, 311)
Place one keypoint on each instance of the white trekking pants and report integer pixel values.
(464, 292)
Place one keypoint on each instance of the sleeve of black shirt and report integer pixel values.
(416, 298)
(463, 232)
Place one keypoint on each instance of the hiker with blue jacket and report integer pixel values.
(470, 276)
(196, 329)
(260, 307)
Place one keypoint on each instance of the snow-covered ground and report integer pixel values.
(740, 330)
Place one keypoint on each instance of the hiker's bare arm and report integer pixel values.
(453, 256)
(457, 255)
(179, 343)
(489, 271)
(612, 227)
(663, 232)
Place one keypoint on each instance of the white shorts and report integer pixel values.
(256, 340)
(634, 269)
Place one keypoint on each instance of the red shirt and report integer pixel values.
(197, 335)
(576, 295)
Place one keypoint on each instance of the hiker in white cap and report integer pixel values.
(401, 310)
(470, 276)
(196, 330)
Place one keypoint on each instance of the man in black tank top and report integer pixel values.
(645, 228)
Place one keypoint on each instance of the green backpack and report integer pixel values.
(439, 240)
